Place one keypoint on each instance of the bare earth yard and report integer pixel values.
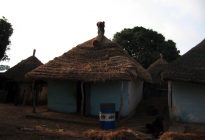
(15, 125)
(19, 123)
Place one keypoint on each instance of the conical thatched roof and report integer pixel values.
(18, 71)
(156, 68)
(98, 59)
(2, 75)
(190, 67)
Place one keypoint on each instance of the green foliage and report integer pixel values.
(4, 67)
(6, 31)
(145, 45)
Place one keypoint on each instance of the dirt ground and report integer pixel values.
(15, 124)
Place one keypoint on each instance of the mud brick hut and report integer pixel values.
(155, 92)
(94, 72)
(2, 79)
(186, 86)
(20, 88)
(156, 69)
(157, 86)
(3, 91)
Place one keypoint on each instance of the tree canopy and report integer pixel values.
(6, 31)
(4, 67)
(146, 45)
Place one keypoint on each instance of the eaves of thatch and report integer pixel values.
(2, 74)
(17, 72)
(188, 68)
(98, 59)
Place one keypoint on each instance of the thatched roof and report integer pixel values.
(156, 68)
(3, 81)
(190, 67)
(98, 59)
(17, 72)
(2, 75)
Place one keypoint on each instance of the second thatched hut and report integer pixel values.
(186, 89)
(19, 88)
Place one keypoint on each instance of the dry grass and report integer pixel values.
(182, 136)
(118, 134)
(106, 61)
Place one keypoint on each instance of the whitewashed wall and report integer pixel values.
(135, 91)
(187, 101)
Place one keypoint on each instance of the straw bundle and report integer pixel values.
(119, 134)
(182, 136)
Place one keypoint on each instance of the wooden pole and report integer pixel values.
(34, 97)
(82, 98)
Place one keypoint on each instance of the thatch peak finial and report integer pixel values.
(100, 36)
(34, 52)
(101, 26)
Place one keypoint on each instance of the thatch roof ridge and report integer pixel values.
(18, 71)
(157, 63)
(156, 68)
(92, 61)
(190, 67)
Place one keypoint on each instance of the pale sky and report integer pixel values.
(53, 27)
